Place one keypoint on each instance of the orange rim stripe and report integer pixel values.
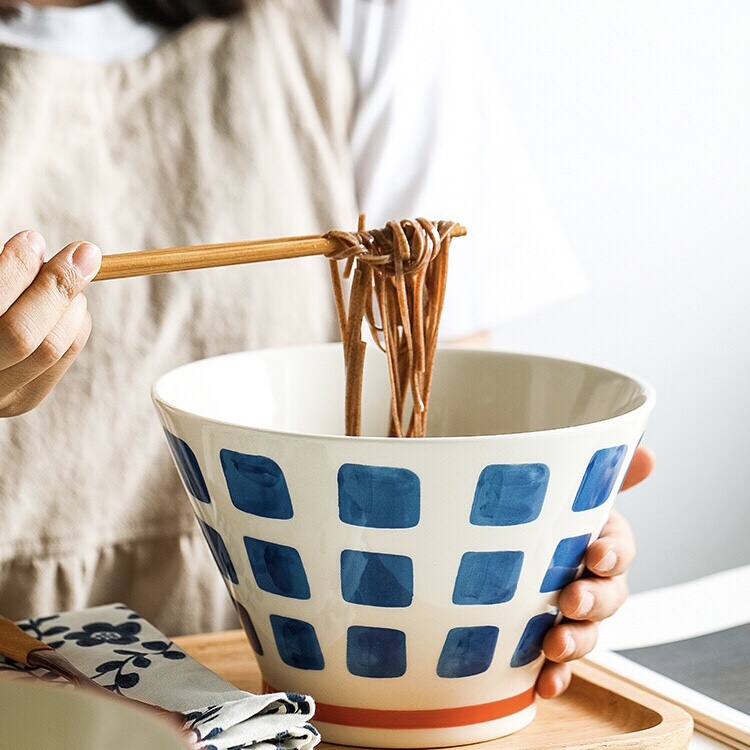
(373, 718)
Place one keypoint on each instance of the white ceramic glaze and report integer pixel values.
(35, 715)
(519, 415)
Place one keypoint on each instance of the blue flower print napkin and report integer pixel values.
(123, 652)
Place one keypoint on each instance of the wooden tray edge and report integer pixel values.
(673, 731)
(704, 724)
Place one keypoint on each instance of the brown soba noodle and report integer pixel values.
(398, 277)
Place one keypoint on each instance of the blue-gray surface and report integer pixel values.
(717, 665)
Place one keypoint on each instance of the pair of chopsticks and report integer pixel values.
(149, 262)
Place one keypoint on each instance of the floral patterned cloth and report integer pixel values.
(120, 650)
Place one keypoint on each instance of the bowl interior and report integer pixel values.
(301, 390)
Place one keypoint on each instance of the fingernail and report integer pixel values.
(87, 258)
(569, 648)
(36, 243)
(585, 605)
(558, 685)
(607, 562)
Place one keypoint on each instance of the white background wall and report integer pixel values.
(636, 115)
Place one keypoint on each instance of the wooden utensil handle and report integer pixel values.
(148, 262)
(53, 661)
(17, 644)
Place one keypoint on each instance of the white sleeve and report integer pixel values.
(432, 136)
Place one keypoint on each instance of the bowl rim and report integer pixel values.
(644, 409)
(37, 696)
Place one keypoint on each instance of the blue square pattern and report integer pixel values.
(187, 466)
(377, 578)
(256, 484)
(529, 647)
(566, 559)
(248, 627)
(381, 497)
(219, 551)
(277, 568)
(467, 651)
(599, 478)
(375, 652)
(297, 643)
(487, 577)
(509, 494)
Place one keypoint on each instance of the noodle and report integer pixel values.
(398, 277)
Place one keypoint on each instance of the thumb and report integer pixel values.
(640, 467)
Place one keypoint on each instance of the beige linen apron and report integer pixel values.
(229, 130)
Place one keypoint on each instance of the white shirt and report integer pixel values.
(432, 136)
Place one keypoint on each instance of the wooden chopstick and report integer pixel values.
(149, 262)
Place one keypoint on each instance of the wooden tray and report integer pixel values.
(599, 711)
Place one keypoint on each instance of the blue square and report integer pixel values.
(297, 643)
(375, 652)
(565, 562)
(530, 645)
(509, 494)
(277, 568)
(600, 477)
(487, 577)
(187, 466)
(376, 578)
(381, 497)
(256, 484)
(219, 551)
(467, 651)
(248, 627)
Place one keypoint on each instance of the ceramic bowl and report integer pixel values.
(35, 715)
(406, 584)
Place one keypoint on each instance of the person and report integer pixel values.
(145, 123)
